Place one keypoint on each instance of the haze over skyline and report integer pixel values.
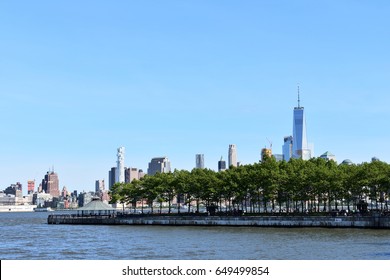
(78, 79)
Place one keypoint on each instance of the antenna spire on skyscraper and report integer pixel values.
(299, 100)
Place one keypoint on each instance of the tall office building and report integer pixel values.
(99, 186)
(232, 159)
(199, 161)
(120, 166)
(30, 186)
(221, 165)
(300, 148)
(287, 148)
(131, 174)
(50, 184)
(159, 165)
(111, 177)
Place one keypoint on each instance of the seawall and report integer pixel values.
(247, 221)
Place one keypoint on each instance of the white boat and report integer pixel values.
(43, 209)
(17, 208)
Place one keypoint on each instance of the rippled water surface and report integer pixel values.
(27, 236)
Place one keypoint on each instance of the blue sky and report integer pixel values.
(174, 78)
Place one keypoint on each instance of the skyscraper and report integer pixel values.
(159, 165)
(131, 174)
(120, 166)
(221, 165)
(232, 159)
(199, 161)
(30, 186)
(50, 184)
(111, 177)
(99, 186)
(287, 148)
(300, 148)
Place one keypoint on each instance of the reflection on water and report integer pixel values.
(27, 236)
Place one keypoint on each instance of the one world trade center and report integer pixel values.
(300, 148)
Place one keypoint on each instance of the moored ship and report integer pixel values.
(17, 208)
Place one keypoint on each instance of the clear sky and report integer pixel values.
(78, 79)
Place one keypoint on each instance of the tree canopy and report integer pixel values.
(316, 185)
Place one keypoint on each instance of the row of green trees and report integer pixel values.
(297, 185)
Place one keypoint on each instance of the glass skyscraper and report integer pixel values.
(300, 148)
(287, 148)
(221, 165)
(199, 161)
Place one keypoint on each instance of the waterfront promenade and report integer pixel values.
(374, 221)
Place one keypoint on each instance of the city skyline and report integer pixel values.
(181, 78)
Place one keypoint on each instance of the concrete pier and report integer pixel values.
(247, 221)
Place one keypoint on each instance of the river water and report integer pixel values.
(27, 236)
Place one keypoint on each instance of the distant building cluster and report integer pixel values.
(48, 193)
(122, 174)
